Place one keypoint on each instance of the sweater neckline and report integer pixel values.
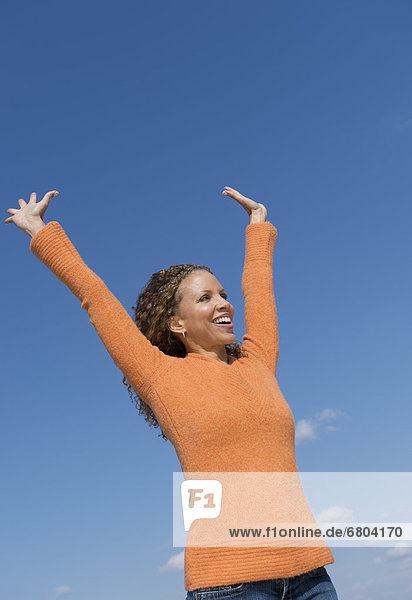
(203, 357)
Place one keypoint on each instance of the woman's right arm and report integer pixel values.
(130, 350)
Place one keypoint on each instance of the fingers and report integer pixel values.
(33, 197)
(51, 194)
(46, 201)
(13, 211)
(47, 197)
(228, 191)
(247, 203)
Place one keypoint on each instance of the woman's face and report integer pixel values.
(203, 300)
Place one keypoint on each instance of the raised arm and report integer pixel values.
(130, 350)
(261, 340)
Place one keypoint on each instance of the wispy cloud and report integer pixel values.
(60, 591)
(379, 587)
(307, 430)
(329, 413)
(359, 586)
(175, 563)
(400, 554)
(336, 514)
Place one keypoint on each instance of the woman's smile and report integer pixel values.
(224, 325)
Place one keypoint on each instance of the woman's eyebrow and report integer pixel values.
(221, 290)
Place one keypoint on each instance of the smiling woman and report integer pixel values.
(217, 402)
(175, 311)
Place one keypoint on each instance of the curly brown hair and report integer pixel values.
(157, 302)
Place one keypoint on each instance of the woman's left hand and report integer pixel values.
(256, 211)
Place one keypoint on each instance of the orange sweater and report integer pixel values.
(219, 417)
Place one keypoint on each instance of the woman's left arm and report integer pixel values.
(261, 340)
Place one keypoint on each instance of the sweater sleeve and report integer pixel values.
(130, 350)
(261, 340)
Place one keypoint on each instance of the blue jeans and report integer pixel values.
(315, 584)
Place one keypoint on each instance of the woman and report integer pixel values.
(217, 402)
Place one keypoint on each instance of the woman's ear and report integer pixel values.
(173, 324)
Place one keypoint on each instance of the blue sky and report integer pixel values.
(139, 114)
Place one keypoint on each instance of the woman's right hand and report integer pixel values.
(29, 218)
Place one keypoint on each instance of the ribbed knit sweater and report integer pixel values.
(219, 417)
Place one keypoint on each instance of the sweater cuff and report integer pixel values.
(39, 234)
(260, 240)
(52, 246)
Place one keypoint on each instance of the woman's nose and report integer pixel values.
(224, 304)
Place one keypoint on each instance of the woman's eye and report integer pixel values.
(207, 296)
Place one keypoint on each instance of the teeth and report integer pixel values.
(223, 320)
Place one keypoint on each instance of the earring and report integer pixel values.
(183, 333)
